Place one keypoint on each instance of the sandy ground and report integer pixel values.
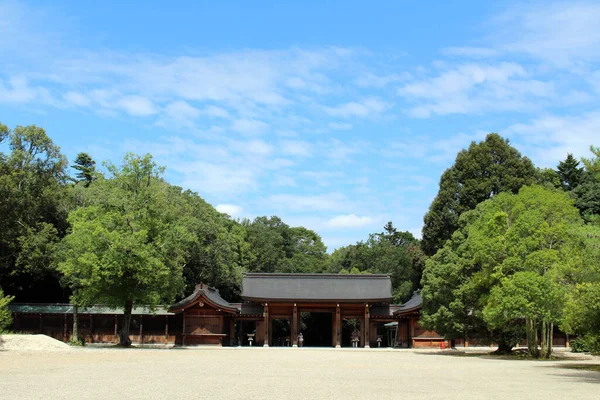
(32, 343)
(284, 373)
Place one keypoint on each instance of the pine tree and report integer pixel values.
(86, 167)
(570, 173)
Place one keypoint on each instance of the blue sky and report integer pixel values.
(338, 116)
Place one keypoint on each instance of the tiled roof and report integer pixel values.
(317, 287)
(211, 294)
(62, 308)
(415, 303)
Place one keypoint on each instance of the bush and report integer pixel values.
(5, 314)
(79, 342)
(586, 344)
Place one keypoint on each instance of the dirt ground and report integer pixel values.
(285, 373)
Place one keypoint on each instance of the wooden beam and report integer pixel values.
(266, 322)
(166, 329)
(338, 326)
(366, 328)
(295, 326)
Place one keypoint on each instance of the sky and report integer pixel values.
(334, 115)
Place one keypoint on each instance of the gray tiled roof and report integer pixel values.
(210, 294)
(62, 308)
(414, 303)
(317, 287)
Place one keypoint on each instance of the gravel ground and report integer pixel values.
(32, 343)
(285, 373)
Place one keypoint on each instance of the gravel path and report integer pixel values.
(278, 373)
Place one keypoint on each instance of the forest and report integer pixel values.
(504, 243)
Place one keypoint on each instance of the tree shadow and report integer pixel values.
(589, 373)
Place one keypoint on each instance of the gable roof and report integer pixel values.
(316, 287)
(210, 295)
(415, 303)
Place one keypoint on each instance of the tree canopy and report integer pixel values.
(483, 170)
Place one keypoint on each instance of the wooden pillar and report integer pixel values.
(141, 329)
(166, 329)
(367, 326)
(231, 331)
(41, 324)
(338, 326)
(65, 328)
(295, 326)
(116, 331)
(183, 331)
(267, 323)
(91, 329)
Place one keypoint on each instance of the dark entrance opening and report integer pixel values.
(281, 332)
(247, 330)
(317, 327)
(349, 327)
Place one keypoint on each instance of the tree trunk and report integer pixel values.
(124, 335)
(532, 337)
(503, 347)
(547, 328)
(75, 337)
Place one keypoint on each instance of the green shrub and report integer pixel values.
(585, 344)
(5, 314)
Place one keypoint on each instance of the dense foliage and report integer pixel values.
(5, 314)
(480, 172)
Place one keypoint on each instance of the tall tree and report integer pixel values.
(86, 169)
(32, 178)
(129, 247)
(484, 170)
(532, 232)
(571, 175)
(5, 314)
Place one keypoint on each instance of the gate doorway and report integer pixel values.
(281, 332)
(351, 326)
(317, 328)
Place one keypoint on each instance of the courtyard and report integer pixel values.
(286, 373)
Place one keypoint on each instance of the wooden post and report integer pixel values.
(366, 329)
(65, 328)
(183, 331)
(295, 326)
(266, 318)
(338, 326)
(141, 329)
(91, 329)
(116, 332)
(231, 331)
(166, 329)
(41, 324)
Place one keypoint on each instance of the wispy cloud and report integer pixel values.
(349, 221)
(365, 108)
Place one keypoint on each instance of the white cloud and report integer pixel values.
(339, 126)
(297, 148)
(378, 81)
(230, 209)
(349, 221)
(137, 105)
(366, 108)
(548, 139)
(248, 126)
(471, 88)
(77, 99)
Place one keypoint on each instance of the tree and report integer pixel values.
(32, 192)
(587, 193)
(5, 314)
(484, 170)
(527, 296)
(532, 231)
(390, 252)
(592, 165)
(129, 247)
(570, 173)
(86, 168)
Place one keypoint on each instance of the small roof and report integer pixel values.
(316, 287)
(210, 294)
(63, 308)
(415, 303)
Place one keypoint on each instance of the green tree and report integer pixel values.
(571, 175)
(528, 232)
(5, 314)
(86, 169)
(527, 296)
(484, 170)
(129, 247)
(32, 192)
